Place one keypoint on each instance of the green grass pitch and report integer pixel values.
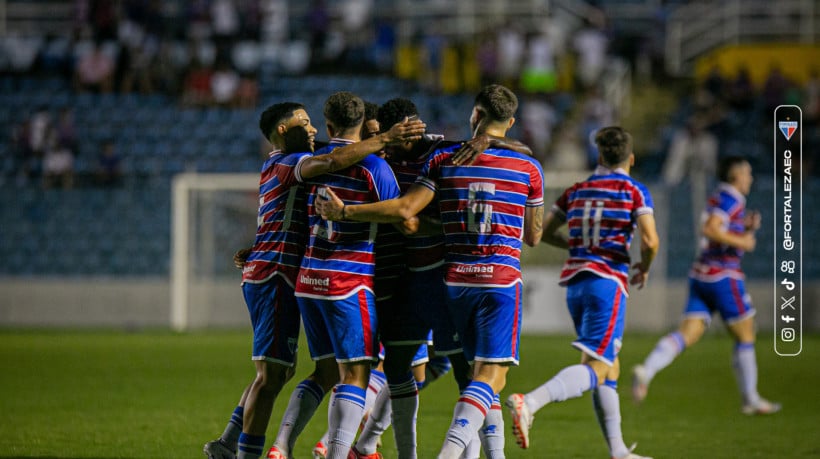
(97, 394)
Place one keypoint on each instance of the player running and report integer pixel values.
(716, 285)
(601, 213)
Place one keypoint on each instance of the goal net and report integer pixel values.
(214, 215)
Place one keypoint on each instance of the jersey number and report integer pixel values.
(592, 216)
(479, 212)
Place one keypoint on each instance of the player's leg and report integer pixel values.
(696, 318)
(275, 320)
(597, 307)
(738, 313)
(488, 320)
(352, 326)
(309, 393)
(225, 446)
(607, 405)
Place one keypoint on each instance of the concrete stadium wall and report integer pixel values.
(145, 303)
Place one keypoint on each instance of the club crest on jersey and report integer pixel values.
(787, 128)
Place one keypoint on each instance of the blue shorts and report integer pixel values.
(275, 320)
(343, 328)
(727, 296)
(488, 319)
(598, 309)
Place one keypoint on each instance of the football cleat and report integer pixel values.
(218, 450)
(522, 419)
(354, 454)
(763, 406)
(320, 450)
(276, 453)
(640, 383)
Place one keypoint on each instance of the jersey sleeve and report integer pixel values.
(642, 201)
(290, 176)
(428, 177)
(536, 194)
(384, 181)
(559, 208)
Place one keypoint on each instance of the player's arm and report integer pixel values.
(649, 248)
(551, 234)
(348, 155)
(533, 225)
(330, 207)
(472, 149)
(714, 230)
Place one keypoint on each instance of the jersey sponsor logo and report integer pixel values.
(787, 128)
(249, 268)
(315, 281)
(475, 269)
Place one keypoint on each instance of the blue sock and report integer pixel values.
(231, 434)
(250, 446)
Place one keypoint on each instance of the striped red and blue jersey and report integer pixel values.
(482, 209)
(281, 232)
(427, 251)
(339, 259)
(717, 261)
(601, 214)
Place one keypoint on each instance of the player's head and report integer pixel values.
(370, 127)
(278, 119)
(344, 115)
(394, 111)
(736, 171)
(494, 109)
(614, 147)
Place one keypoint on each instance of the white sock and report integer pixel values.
(473, 449)
(468, 417)
(377, 423)
(570, 382)
(404, 400)
(744, 362)
(492, 431)
(374, 387)
(343, 418)
(302, 405)
(608, 411)
(668, 347)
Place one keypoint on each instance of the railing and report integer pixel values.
(700, 27)
(36, 18)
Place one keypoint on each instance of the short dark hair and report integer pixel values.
(344, 110)
(614, 145)
(371, 111)
(394, 111)
(498, 102)
(274, 115)
(726, 165)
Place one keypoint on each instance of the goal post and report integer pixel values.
(213, 215)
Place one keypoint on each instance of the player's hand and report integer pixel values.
(409, 226)
(328, 205)
(751, 221)
(408, 130)
(640, 277)
(471, 150)
(240, 257)
(748, 241)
